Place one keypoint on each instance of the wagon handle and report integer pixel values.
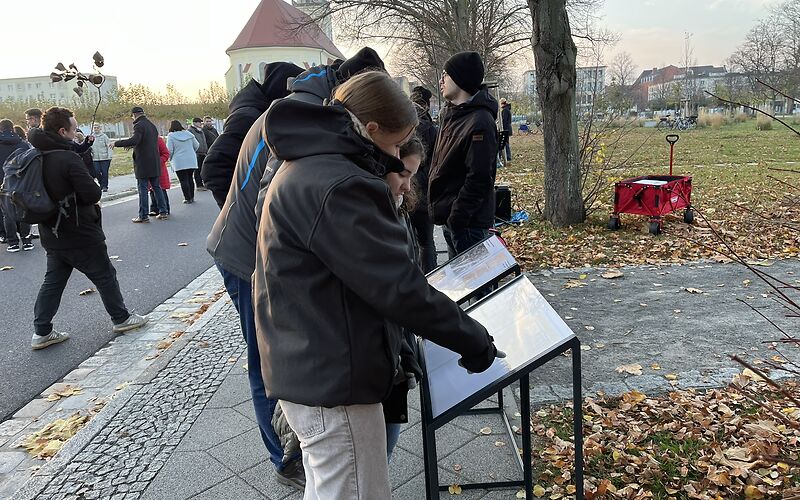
(671, 139)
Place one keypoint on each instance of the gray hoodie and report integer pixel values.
(182, 147)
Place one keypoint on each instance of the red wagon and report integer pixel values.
(654, 196)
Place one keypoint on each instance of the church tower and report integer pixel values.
(317, 9)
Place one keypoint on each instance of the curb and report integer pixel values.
(33, 486)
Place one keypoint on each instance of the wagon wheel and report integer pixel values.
(614, 223)
(655, 228)
(688, 216)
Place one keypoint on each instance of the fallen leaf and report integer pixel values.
(46, 442)
(499, 444)
(486, 431)
(612, 274)
(122, 386)
(538, 491)
(693, 290)
(6, 268)
(454, 489)
(520, 494)
(183, 244)
(590, 328)
(671, 376)
(87, 291)
(585, 347)
(632, 369)
(457, 467)
(655, 366)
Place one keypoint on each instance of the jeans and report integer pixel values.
(11, 228)
(143, 201)
(461, 239)
(240, 292)
(197, 179)
(423, 226)
(101, 169)
(392, 436)
(92, 261)
(344, 450)
(505, 143)
(153, 201)
(187, 183)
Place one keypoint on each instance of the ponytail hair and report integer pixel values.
(373, 96)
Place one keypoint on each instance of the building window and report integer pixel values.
(38, 85)
(19, 87)
(52, 96)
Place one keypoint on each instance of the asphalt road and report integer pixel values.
(151, 268)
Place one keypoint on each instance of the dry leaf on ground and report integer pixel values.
(87, 291)
(45, 443)
(631, 369)
(612, 274)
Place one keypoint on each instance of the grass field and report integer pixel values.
(732, 178)
(122, 162)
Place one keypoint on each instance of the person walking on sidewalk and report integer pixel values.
(183, 146)
(13, 231)
(101, 155)
(461, 187)
(146, 164)
(164, 181)
(334, 285)
(232, 241)
(196, 129)
(74, 242)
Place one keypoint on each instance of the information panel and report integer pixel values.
(472, 269)
(523, 325)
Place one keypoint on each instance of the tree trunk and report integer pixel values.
(554, 53)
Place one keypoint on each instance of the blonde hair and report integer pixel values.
(373, 96)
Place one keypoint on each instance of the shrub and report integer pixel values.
(741, 117)
(714, 120)
(763, 123)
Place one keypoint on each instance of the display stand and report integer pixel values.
(466, 275)
(526, 327)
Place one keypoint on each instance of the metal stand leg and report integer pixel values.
(431, 466)
(577, 416)
(525, 411)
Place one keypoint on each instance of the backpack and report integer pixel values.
(23, 195)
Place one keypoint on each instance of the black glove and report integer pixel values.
(482, 362)
(90, 139)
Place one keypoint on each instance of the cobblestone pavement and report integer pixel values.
(135, 443)
(102, 378)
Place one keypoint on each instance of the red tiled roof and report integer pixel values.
(271, 25)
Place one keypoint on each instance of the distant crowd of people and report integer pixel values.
(329, 181)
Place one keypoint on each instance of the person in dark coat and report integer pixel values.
(232, 241)
(420, 218)
(75, 239)
(196, 128)
(505, 128)
(146, 163)
(209, 131)
(11, 231)
(245, 107)
(461, 186)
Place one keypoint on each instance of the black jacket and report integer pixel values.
(146, 160)
(232, 241)
(211, 135)
(427, 132)
(64, 174)
(505, 119)
(333, 283)
(201, 138)
(461, 187)
(10, 142)
(245, 108)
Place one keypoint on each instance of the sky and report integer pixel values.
(183, 42)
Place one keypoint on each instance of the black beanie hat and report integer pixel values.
(365, 58)
(421, 95)
(466, 69)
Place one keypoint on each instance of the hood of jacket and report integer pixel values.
(297, 129)
(481, 100)
(260, 95)
(318, 81)
(48, 141)
(182, 135)
(10, 138)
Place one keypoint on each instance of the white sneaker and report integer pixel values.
(42, 341)
(134, 321)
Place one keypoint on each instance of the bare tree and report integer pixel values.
(759, 57)
(622, 69)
